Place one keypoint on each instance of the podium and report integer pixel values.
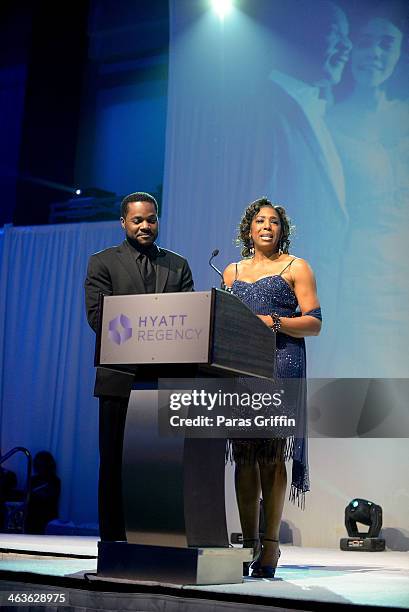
(173, 487)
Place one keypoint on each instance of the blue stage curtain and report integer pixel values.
(46, 354)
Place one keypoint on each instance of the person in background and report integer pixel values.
(311, 50)
(371, 132)
(45, 493)
(8, 491)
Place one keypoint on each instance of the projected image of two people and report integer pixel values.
(304, 102)
(339, 115)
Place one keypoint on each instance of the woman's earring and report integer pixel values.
(251, 247)
(280, 246)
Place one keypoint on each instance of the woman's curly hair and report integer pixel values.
(243, 237)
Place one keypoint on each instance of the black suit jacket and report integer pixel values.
(114, 272)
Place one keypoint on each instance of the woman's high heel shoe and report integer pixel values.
(256, 546)
(265, 571)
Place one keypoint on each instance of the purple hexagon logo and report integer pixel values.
(120, 329)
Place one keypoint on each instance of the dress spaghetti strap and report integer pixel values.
(287, 266)
(237, 271)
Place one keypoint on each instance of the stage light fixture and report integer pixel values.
(222, 7)
(367, 513)
(78, 192)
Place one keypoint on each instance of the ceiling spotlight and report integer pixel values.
(78, 192)
(222, 7)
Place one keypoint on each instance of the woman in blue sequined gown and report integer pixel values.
(280, 289)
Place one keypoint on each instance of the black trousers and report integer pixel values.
(112, 415)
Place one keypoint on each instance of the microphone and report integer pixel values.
(213, 255)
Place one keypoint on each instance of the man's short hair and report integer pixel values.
(138, 196)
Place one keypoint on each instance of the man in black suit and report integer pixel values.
(136, 266)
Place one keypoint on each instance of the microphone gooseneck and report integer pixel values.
(213, 255)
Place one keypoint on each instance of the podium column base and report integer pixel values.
(139, 562)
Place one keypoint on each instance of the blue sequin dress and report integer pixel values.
(264, 296)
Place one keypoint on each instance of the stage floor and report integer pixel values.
(306, 574)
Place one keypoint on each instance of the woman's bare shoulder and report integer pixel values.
(301, 267)
(298, 262)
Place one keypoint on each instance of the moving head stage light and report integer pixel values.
(367, 513)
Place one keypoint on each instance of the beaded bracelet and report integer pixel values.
(276, 326)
